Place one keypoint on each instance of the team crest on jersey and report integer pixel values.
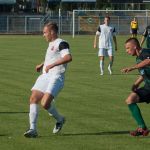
(52, 48)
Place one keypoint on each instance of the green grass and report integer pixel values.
(97, 116)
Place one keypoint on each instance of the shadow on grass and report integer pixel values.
(3, 135)
(12, 112)
(97, 133)
(122, 74)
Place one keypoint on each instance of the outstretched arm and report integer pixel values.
(142, 64)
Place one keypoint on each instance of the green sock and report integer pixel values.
(136, 113)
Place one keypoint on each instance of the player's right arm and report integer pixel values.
(39, 67)
(96, 37)
(142, 64)
(95, 41)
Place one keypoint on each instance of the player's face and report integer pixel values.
(130, 48)
(106, 21)
(47, 34)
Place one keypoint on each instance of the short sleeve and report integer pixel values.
(114, 32)
(64, 48)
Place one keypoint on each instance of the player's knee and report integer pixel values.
(33, 99)
(130, 100)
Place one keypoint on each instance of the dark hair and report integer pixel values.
(107, 17)
(52, 26)
(133, 40)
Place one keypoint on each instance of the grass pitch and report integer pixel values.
(97, 116)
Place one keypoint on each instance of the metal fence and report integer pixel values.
(78, 22)
(87, 21)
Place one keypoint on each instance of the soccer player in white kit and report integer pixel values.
(106, 34)
(51, 81)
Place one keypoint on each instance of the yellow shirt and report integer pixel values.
(134, 25)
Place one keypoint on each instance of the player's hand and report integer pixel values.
(126, 70)
(134, 87)
(48, 68)
(39, 67)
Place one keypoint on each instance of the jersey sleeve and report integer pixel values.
(64, 48)
(114, 31)
(145, 33)
(98, 31)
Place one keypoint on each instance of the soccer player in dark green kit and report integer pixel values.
(138, 94)
(146, 35)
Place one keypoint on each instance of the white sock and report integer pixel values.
(110, 64)
(33, 116)
(101, 64)
(52, 110)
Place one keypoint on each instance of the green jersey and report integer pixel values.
(145, 71)
(146, 34)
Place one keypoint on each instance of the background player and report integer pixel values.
(134, 27)
(146, 35)
(106, 34)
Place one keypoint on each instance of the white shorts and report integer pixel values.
(49, 84)
(105, 52)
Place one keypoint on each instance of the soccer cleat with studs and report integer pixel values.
(31, 133)
(140, 132)
(58, 126)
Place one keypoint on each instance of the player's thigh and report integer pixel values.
(110, 53)
(102, 52)
(36, 97)
(55, 85)
(41, 83)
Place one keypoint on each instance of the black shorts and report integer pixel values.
(144, 94)
(134, 31)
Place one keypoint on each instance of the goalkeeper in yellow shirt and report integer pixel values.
(134, 27)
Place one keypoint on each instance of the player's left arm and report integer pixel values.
(65, 56)
(137, 83)
(142, 64)
(115, 41)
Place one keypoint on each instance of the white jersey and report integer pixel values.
(54, 53)
(106, 34)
